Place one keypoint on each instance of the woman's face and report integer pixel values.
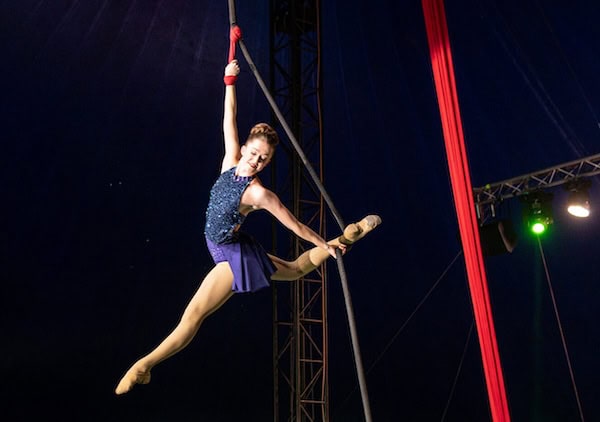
(256, 154)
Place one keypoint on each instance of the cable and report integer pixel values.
(560, 329)
(569, 66)
(291, 137)
(462, 360)
(335, 213)
(355, 347)
(413, 313)
(537, 87)
(332, 208)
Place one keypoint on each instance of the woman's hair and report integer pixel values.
(263, 130)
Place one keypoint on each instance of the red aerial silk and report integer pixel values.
(235, 34)
(443, 73)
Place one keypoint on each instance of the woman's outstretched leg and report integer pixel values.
(313, 258)
(212, 293)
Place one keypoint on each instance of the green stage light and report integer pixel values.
(538, 211)
(538, 228)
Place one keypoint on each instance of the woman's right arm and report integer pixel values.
(230, 130)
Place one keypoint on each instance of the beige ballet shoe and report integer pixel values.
(357, 231)
(131, 378)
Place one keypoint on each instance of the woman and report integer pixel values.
(241, 264)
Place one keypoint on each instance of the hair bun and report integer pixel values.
(266, 131)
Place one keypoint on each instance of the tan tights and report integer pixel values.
(215, 290)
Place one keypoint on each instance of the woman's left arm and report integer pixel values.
(265, 199)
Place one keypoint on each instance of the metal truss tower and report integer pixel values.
(300, 308)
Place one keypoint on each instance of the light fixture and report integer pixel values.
(538, 211)
(498, 237)
(578, 203)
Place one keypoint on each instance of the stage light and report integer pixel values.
(538, 211)
(539, 227)
(498, 237)
(578, 203)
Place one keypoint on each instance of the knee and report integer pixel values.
(293, 267)
(288, 270)
(192, 318)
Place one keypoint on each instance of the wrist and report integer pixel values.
(229, 79)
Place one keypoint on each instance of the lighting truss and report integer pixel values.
(486, 197)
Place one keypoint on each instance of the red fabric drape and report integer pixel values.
(443, 72)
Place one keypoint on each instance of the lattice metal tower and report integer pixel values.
(299, 308)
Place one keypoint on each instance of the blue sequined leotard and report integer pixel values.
(223, 212)
(251, 266)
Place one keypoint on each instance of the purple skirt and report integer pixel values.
(250, 264)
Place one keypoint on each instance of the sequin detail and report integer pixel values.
(222, 213)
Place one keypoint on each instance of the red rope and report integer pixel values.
(235, 34)
(443, 72)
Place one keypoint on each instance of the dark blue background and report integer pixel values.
(111, 137)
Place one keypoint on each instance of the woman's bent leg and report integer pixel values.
(313, 258)
(212, 293)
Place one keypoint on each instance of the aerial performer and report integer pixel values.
(241, 264)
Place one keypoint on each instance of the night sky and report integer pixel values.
(111, 138)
